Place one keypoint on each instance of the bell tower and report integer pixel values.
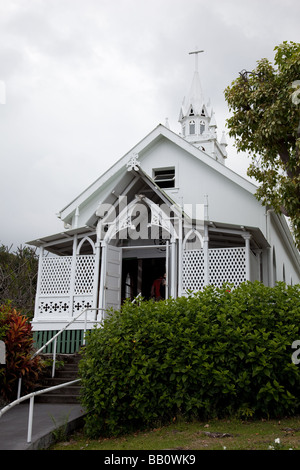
(197, 119)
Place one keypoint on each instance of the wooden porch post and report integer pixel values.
(97, 267)
(247, 239)
(205, 243)
(96, 274)
(167, 270)
(180, 256)
(102, 276)
(73, 272)
(173, 268)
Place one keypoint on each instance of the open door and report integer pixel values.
(113, 272)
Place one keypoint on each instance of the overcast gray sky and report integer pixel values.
(85, 80)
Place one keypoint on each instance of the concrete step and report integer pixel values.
(69, 390)
(64, 373)
(52, 381)
(66, 358)
(59, 399)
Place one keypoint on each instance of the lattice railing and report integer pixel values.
(84, 277)
(193, 270)
(63, 293)
(56, 276)
(225, 265)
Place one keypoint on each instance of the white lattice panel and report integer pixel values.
(62, 294)
(56, 276)
(227, 265)
(85, 274)
(193, 270)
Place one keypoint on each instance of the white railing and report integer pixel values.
(66, 285)
(138, 298)
(54, 338)
(223, 265)
(31, 397)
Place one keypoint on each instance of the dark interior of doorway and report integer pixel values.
(139, 275)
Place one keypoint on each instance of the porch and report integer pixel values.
(78, 270)
(226, 255)
(69, 284)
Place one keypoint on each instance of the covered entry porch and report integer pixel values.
(77, 270)
(99, 267)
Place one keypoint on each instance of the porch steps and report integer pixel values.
(63, 373)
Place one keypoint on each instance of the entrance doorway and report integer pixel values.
(138, 275)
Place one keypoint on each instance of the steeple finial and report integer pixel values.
(196, 57)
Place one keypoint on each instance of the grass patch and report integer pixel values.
(231, 434)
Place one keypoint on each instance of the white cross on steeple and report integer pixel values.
(196, 58)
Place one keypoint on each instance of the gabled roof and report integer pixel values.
(160, 132)
(135, 182)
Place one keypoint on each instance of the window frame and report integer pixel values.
(202, 127)
(165, 175)
(192, 124)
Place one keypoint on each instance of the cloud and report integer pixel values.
(86, 80)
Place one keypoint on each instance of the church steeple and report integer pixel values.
(198, 124)
(193, 103)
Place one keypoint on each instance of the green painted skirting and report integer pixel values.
(68, 342)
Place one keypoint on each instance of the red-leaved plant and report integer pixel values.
(18, 341)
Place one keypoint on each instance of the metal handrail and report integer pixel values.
(85, 310)
(30, 397)
(137, 298)
(74, 319)
(54, 338)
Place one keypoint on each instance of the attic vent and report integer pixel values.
(165, 178)
(202, 112)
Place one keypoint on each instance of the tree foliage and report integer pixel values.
(266, 122)
(215, 353)
(16, 332)
(18, 277)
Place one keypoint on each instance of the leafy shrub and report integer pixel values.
(211, 354)
(17, 335)
(18, 276)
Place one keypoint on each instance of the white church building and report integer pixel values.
(169, 206)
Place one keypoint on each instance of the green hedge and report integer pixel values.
(215, 353)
